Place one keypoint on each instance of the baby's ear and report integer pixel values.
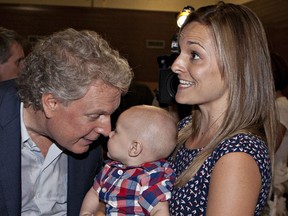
(135, 149)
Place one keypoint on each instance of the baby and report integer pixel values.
(138, 180)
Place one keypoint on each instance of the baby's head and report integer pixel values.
(143, 134)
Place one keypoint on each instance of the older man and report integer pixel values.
(70, 85)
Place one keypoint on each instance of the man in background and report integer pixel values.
(11, 54)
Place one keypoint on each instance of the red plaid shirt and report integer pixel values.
(134, 190)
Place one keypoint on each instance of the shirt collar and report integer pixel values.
(24, 133)
(26, 139)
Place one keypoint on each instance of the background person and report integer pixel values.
(137, 180)
(11, 54)
(71, 83)
(278, 201)
(225, 148)
(280, 75)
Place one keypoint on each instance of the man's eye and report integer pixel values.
(18, 62)
(94, 117)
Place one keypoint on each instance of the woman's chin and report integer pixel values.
(179, 99)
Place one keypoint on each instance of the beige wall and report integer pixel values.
(151, 5)
(126, 30)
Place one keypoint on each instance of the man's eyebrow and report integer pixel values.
(99, 112)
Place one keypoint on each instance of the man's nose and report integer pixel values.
(111, 134)
(104, 127)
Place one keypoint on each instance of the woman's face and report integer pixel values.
(197, 68)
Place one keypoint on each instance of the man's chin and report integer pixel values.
(79, 150)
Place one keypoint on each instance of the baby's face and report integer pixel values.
(120, 140)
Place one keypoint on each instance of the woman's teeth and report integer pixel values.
(185, 83)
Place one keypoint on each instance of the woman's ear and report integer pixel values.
(135, 149)
(49, 104)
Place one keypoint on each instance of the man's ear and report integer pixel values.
(50, 104)
(135, 149)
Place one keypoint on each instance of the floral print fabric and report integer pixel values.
(191, 199)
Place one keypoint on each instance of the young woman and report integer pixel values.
(225, 153)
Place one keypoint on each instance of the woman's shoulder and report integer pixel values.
(246, 143)
(243, 142)
(281, 101)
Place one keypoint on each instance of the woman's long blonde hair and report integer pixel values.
(243, 57)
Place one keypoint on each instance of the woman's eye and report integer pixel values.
(195, 56)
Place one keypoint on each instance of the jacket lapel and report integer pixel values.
(10, 152)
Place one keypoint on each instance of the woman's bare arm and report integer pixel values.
(234, 187)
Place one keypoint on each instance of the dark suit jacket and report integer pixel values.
(81, 168)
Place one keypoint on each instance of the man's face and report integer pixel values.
(78, 124)
(11, 68)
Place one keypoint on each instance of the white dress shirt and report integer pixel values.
(44, 180)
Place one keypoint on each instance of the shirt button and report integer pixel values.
(113, 203)
(104, 190)
(163, 183)
(120, 172)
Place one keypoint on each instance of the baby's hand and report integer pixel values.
(100, 210)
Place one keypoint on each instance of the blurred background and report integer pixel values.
(142, 30)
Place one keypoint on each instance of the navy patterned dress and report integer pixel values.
(191, 199)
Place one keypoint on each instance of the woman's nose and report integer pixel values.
(174, 66)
